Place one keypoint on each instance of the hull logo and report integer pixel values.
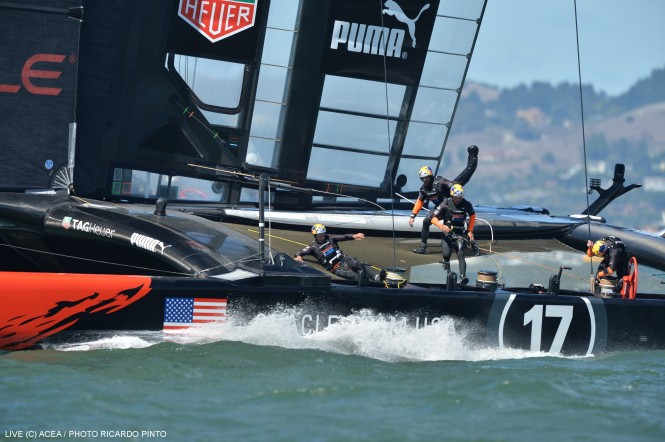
(218, 19)
(147, 243)
(86, 226)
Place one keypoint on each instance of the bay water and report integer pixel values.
(350, 382)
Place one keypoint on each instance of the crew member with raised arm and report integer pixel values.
(451, 217)
(326, 250)
(435, 189)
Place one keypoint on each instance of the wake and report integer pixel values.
(364, 333)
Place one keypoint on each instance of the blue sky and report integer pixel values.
(521, 41)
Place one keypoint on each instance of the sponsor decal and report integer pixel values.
(362, 34)
(375, 40)
(522, 321)
(218, 19)
(310, 323)
(185, 313)
(29, 71)
(86, 226)
(392, 8)
(147, 243)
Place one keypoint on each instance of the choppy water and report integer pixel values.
(352, 382)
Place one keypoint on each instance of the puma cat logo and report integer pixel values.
(392, 8)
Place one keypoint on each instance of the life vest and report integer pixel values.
(440, 190)
(455, 217)
(330, 256)
(614, 242)
(615, 249)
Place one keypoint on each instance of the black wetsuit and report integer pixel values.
(615, 258)
(454, 216)
(440, 189)
(331, 257)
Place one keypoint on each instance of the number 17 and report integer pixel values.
(535, 317)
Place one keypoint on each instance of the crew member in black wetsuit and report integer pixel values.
(326, 250)
(451, 217)
(435, 189)
(615, 259)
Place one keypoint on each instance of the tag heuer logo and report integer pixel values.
(67, 222)
(218, 19)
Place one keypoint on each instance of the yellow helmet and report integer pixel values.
(599, 248)
(424, 172)
(457, 190)
(318, 229)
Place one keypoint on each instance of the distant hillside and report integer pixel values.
(532, 152)
(484, 105)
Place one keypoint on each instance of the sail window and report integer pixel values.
(274, 76)
(265, 123)
(434, 105)
(345, 167)
(130, 183)
(270, 76)
(361, 133)
(443, 71)
(453, 36)
(424, 140)
(260, 151)
(363, 96)
(215, 84)
(469, 9)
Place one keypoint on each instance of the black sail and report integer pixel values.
(38, 71)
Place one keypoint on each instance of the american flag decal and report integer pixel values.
(184, 313)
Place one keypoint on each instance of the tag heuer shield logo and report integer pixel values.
(218, 19)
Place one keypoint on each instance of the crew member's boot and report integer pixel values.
(379, 276)
(446, 266)
(463, 279)
(362, 281)
(422, 249)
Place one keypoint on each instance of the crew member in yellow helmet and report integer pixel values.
(436, 189)
(615, 259)
(326, 250)
(451, 217)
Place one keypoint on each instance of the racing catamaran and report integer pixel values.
(140, 138)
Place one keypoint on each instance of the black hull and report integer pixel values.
(72, 269)
(563, 324)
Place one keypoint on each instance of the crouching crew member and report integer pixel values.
(326, 250)
(615, 260)
(450, 216)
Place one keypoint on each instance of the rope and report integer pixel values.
(586, 178)
(385, 84)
